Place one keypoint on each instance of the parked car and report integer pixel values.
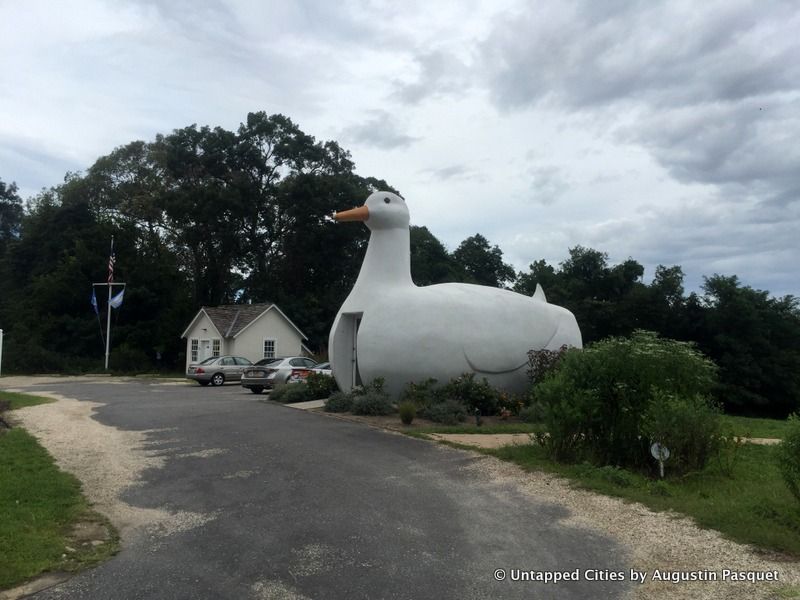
(268, 372)
(218, 369)
(323, 369)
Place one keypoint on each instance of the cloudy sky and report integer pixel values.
(667, 132)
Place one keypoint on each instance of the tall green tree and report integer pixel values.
(10, 213)
(754, 340)
(431, 263)
(483, 262)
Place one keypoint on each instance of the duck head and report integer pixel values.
(382, 210)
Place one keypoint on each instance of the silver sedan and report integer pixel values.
(218, 369)
(268, 372)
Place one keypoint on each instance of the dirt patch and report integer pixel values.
(484, 440)
(106, 460)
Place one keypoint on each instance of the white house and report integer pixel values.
(254, 331)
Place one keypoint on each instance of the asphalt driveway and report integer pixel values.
(301, 505)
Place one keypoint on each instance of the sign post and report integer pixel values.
(1, 351)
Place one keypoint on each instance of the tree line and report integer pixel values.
(207, 216)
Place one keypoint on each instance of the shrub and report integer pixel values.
(447, 412)
(407, 410)
(688, 426)
(372, 403)
(593, 403)
(531, 414)
(472, 394)
(543, 362)
(421, 394)
(788, 456)
(339, 402)
(291, 393)
(320, 386)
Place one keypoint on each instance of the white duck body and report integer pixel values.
(390, 328)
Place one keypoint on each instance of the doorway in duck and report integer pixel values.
(346, 368)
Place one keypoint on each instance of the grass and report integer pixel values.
(40, 505)
(757, 428)
(17, 400)
(487, 429)
(741, 426)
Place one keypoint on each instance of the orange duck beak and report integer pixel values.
(356, 214)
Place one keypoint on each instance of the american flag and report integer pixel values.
(111, 261)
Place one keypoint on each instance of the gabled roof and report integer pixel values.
(232, 319)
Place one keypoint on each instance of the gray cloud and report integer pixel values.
(711, 92)
(381, 131)
(454, 172)
(439, 73)
(588, 54)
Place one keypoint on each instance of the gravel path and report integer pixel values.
(108, 461)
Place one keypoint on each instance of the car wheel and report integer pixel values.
(218, 379)
(203, 383)
(257, 389)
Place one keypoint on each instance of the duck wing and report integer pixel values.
(495, 328)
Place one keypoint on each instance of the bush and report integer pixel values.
(593, 403)
(372, 403)
(291, 393)
(320, 386)
(531, 414)
(421, 394)
(688, 427)
(408, 411)
(447, 412)
(472, 394)
(339, 402)
(788, 456)
(543, 362)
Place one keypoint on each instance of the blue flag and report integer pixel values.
(94, 303)
(116, 301)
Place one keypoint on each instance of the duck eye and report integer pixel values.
(387, 199)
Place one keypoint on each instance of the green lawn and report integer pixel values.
(39, 505)
(757, 428)
(17, 400)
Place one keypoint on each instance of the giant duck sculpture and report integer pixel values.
(390, 328)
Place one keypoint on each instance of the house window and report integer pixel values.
(195, 347)
(214, 347)
(269, 348)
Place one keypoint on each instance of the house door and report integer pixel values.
(205, 349)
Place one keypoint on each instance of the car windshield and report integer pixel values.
(209, 360)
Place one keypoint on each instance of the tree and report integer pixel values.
(10, 213)
(754, 340)
(430, 261)
(483, 263)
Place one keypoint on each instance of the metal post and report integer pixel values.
(1, 351)
(108, 324)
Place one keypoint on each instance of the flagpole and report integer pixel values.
(108, 325)
(108, 304)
